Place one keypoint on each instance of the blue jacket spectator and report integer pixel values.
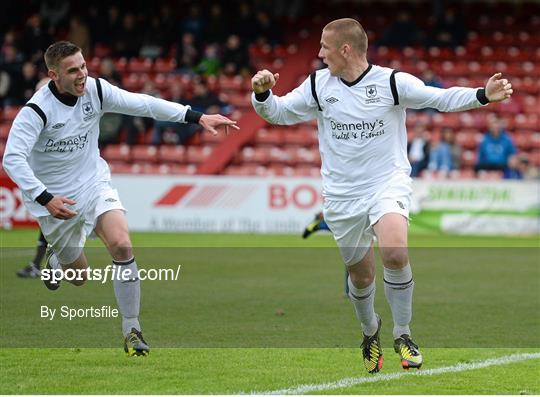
(496, 148)
(440, 158)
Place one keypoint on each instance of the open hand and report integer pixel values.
(57, 208)
(498, 89)
(212, 121)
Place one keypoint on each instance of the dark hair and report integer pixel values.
(58, 51)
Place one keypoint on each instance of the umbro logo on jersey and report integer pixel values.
(400, 204)
(371, 91)
(331, 100)
(57, 126)
(110, 200)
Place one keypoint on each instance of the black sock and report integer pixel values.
(41, 248)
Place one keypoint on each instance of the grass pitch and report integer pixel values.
(249, 315)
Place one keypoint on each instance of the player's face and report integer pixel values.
(70, 76)
(330, 53)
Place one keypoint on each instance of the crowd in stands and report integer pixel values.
(201, 42)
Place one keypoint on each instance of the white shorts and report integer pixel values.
(67, 237)
(351, 221)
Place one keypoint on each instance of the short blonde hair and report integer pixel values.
(349, 31)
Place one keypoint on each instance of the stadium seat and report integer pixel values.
(207, 138)
(468, 139)
(245, 170)
(118, 153)
(144, 153)
(120, 167)
(183, 169)
(270, 137)
(468, 158)
(139, 65)
(307, 171)
(490, 175)
(172, 154)
(165, 65)
(4, 131)
(120, 64)
(197, 154)
(239, 100)
(256, 155)
(229, 84)
(10, 112)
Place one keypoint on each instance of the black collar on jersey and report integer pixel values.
(66, 99)
(358, 79)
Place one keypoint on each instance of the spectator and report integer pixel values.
(10, 77)
(216, 26)
(111, 124)
(169, 132)
(235, 57)
(402, 33)
(444, 154)
(28, 82)
(187, 54)
(519, 167)
(430, 78)
(193, 23)
(496, 147)
(108, 71)
(137, 126)
(79, 34)
(35, 38)
(449, 30)
(244, 23)
(54, 12)
(204, 99)
(154, 40)
(418, 150)
(210, 63)
(266, 32)
(128, 40)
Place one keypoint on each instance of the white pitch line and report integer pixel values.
(348, 382)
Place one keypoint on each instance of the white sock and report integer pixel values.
(128, 294)
(363, 301)
(398, 288)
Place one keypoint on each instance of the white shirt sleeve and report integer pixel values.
(117, 100)
(295, 107)
(413, 93)
(21, 140)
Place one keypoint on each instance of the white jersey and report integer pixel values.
(53, 142)
(362, 132)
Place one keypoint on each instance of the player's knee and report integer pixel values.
(396, 258)
(362, 279)
(121, 248)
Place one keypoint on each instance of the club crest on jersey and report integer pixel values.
(371, 91)
(88, 110)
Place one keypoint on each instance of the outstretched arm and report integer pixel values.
(414, 94)
(117, 100)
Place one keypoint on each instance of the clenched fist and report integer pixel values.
(263, 81)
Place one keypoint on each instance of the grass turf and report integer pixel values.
(252, 317)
